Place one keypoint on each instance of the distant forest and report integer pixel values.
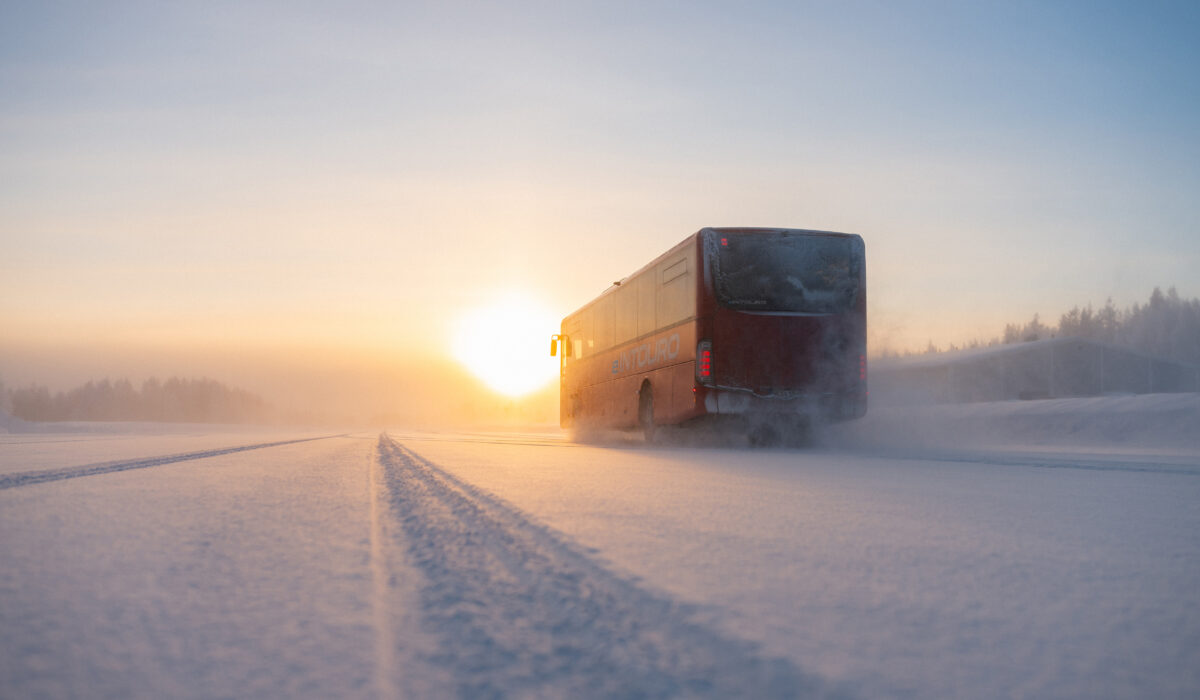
(175, 400)
(1167, 326)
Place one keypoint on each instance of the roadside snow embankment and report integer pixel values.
(1147, 420)
(10, 424)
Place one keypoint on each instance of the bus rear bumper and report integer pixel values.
(825, 406)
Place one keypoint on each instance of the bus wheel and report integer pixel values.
(646, 411)
(801, 433)
(763, 435)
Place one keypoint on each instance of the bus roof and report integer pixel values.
(760, 229)
(716, 229)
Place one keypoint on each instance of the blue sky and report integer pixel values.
(362, 176)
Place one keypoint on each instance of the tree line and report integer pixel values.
(176, 400)
(1166, 326)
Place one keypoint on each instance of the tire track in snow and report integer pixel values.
(8, 481)
(516, 611)
(381, 581)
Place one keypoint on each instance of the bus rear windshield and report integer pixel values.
(787, 272)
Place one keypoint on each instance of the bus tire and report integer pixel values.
(763, 434)
(646, 411)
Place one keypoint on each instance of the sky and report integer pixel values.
(296, 196)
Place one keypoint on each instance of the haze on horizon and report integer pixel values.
(307, 202)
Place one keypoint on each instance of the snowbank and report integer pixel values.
(1147, 420)
(9, 424)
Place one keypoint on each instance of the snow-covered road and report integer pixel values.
(412, 564)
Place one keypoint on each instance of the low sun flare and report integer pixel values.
(506, 344)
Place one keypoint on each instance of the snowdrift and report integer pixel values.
(1147, 420)
(9, 424)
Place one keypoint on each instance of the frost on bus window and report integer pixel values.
(789, 272)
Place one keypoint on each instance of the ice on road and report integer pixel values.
(516, 565)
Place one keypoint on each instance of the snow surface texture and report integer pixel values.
(521, 612)
(1006, 561)
(1142, 421)
(894, 576)
(234, 575)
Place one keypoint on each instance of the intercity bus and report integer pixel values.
(761, 328)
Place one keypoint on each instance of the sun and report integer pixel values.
(506, 344)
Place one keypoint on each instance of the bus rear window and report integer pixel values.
(787, 271)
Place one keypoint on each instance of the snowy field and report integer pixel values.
(1046, 549)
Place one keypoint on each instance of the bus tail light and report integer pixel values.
(704, 362)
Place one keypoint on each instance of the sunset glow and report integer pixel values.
(304, 201)
(506, 344)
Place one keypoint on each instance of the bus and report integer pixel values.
(761, 328)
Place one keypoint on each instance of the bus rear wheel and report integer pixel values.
(646, 411)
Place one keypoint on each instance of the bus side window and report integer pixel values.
(583, 336)
(602, 317)
(626, 313)
(676, 297)
(572, 338)
(646, 288)
(675, 270)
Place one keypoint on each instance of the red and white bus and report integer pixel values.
(763, 327)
